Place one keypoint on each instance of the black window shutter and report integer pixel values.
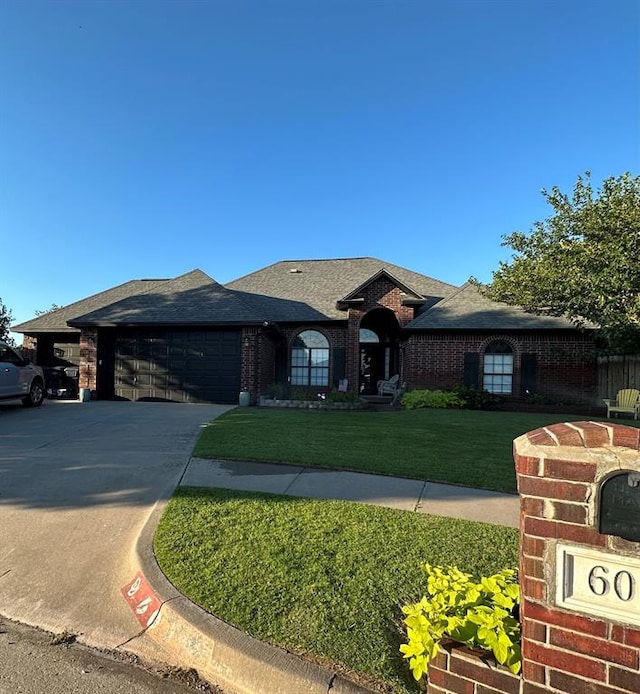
(281, 366)
(471, 373)
(339, 364)
(528, 373)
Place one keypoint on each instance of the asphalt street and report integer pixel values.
(32, 662)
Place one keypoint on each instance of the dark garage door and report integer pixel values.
(182, 366)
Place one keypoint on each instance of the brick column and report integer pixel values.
(88, 358)
(250, 368)
(353, 350)
(580, 587)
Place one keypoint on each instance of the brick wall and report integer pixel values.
(381, 294)
(267, 366)
(560, 470)
(385, 294)
(30, 348)
(353, 348)
(260, 348)
(566, 650)
(250, 362)
(566, 367)
(457, 670)
(88, 358)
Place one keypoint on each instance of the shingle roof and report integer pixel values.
(302, 290)
(468, 309)
(288, 291)
(56, 321)
(190, 299)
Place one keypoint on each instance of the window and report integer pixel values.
(310, 359)
(498, 369)
(367, 335)
(8, 356)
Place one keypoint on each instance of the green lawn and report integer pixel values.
(321, 578)
(466, 447)
(325, 579)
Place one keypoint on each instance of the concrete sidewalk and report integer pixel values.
(393, 492)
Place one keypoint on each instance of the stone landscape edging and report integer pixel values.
(312, 404)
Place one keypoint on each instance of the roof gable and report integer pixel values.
(412, 297)
(56, 321)
(190, 299)
(310, 289)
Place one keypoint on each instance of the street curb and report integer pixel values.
(221, 653)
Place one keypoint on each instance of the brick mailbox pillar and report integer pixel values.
(579, 488)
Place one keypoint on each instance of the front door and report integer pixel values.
(372, 367)
(379, 349)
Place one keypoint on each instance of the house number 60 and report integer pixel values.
(624, 584)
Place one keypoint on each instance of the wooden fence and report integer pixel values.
(617, 372)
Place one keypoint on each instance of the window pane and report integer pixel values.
(498, 384)
(319, 377)
(299, 377)
(367, 335)
(320, 357)
(499, 347)
(505, 385)
(498, 363)
(299, 357)
(311, 338)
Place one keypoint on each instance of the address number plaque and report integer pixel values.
(598, 583)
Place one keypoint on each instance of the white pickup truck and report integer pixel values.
(19, 378)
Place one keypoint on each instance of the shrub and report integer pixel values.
(476, 399)
(417, 399)
(278, 391)
(538, 399)
(480, 615)
(339, 396)
(305, 393)
(285, 391)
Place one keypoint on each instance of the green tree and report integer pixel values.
(6, 318)
(583, 262)
(51, 309)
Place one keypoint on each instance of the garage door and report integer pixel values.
(181, 366)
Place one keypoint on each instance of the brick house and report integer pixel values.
(309, 323)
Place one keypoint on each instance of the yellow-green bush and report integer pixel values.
(481, 614)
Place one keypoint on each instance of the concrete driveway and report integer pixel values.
(77, 483)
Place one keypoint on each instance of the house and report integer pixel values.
(309, 323)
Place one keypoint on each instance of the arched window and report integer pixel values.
(369, 336)
(310, 359)
(497, 376)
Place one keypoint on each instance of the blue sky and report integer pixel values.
(145, 138)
